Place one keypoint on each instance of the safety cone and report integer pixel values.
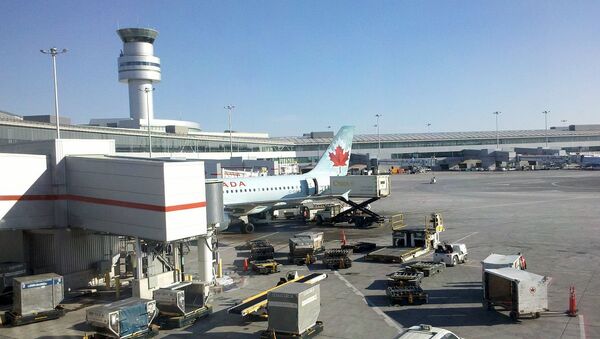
(572, 312)
(245, 264)
(343, 236)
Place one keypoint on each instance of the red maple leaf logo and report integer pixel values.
(339, 157)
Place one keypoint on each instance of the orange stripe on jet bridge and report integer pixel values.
(101, 201)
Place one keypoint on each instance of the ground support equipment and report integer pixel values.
(258, 301)
(337, 259)
(405, 277)
(265, 266)
(306, 259)
(360, 247)
(18, 320)
(395, 254)
(311, 332)
(428, 268)
(168, 322)
(151, 332)
(407, 295)
(358, 214)
(261, 250)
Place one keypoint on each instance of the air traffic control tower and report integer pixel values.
(139, 68)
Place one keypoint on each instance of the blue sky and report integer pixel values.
(297, 66)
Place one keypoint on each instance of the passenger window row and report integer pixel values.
(245, 190)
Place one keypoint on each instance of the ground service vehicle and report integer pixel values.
(427, 332)
(450, 254)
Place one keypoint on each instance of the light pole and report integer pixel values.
(428, 125)
(378, 138)
(497, 113)
(230, 108)
(147, 90)
(545, 113)
(53, 53)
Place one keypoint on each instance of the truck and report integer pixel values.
(450, 254)
(517, 291)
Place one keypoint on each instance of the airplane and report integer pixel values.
(246, 196)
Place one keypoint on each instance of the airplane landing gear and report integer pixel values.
(245, 226)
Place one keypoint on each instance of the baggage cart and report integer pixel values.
(261, 250)
(428, 268)
(407, 295)
(337, 259)
(517, 291)
(360, 247)
(265, 266)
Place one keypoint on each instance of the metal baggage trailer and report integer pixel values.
(428, 268)
(407, 295)
(337, 259)
(405, 277)
(517, 291)
(395, 254)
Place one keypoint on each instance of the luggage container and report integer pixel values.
(36, 298)
(122, 319)
(500, 260)
(315, 237)
(517, 291)
(361, 186)
(293, 309)
(181, 304)
(302, 251)
(37, 293)
(9, 271)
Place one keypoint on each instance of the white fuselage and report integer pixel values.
(271, 189)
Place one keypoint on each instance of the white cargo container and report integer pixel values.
(361, 186)
(500, 260)
(517, 291)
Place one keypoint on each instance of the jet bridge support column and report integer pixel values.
(207, 247)
(205, 258)
(139, 273)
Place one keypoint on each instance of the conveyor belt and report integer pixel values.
(255, 302)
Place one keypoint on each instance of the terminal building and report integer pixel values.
(393, 149)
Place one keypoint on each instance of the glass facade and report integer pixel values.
(128, 141)
(463, 142)
(138, 142)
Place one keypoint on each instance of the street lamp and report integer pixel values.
(147, 90)
(428, 125)
(230, 108)
(497, 113)
(545, 113)
(378, 138)
(53, 53)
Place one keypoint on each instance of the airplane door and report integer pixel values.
(316, 183)
(309, 186)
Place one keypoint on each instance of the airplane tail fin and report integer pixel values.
(336, 158)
